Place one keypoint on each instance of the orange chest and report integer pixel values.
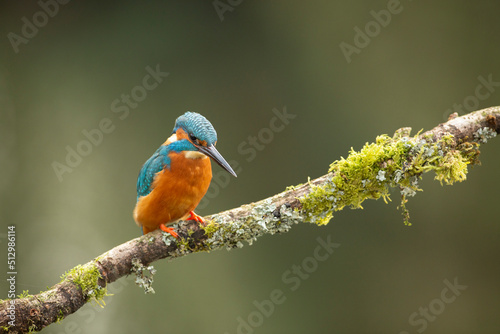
(177, 190)
(187, 180)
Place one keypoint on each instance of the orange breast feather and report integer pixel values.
(176, 192)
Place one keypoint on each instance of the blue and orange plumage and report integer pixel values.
(176, 177)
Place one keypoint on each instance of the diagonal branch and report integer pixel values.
(390, 162)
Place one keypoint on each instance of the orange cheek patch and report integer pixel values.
(181, 134)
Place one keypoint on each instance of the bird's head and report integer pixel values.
(197, 134)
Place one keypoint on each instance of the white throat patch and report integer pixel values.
(194, 155)
(171, 139)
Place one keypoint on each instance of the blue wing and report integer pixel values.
(155, 164)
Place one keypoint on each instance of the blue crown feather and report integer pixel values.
(197, 125)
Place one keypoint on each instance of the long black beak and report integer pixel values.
(212, 152)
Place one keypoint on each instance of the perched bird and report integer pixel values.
(174, 180)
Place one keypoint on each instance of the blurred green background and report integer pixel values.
(262, 55)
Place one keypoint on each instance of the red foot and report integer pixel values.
(169, 230)
(194, 216)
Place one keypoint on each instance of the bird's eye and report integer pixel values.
(193, 138)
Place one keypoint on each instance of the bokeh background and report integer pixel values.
(261, 56)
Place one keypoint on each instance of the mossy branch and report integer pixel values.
(389, 162)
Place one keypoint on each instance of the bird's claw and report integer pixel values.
(169, 230)
(194, 216)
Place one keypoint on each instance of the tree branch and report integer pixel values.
(397, 161)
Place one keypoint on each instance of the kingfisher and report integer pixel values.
(175, 178)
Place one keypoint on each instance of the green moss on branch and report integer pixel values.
(390, 162)
(87, 278)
